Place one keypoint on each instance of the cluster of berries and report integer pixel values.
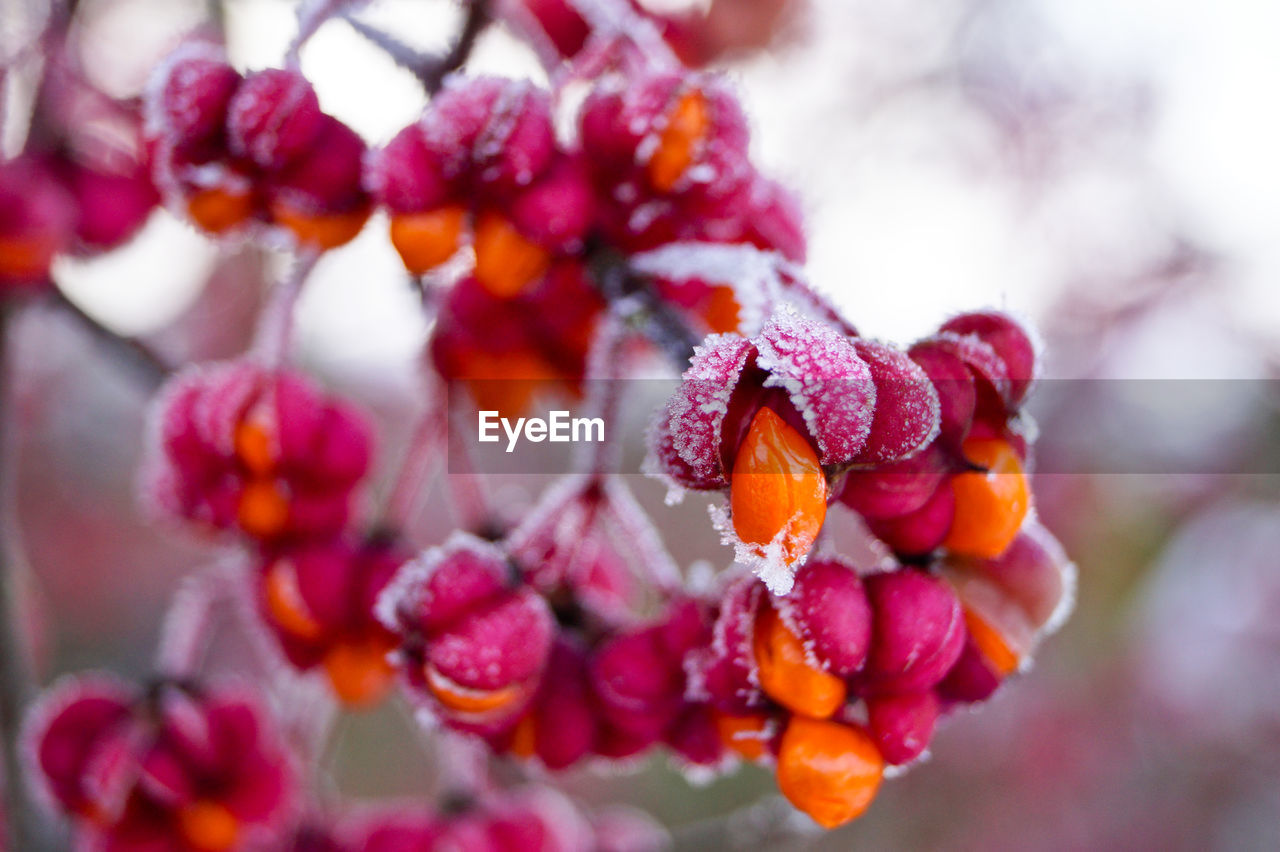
(265, 453)
(573, 636)
(852, 669)
(827, 674)
(82, 184)
(539, 644)
(657, 158)
(232, 151)
(170, 766)
(181, 766)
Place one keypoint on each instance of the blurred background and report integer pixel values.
(1107, 170)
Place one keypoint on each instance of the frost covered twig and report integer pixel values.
(477, 17)
(632, 301)
(430, 69)
(467, 489)
(426, 443)
(24, 828)
(150, 365)
(604, 381)
(275, 325)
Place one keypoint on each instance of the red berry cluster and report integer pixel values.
(258, 450)
(661, 160)
(264, 452)
(231, 151)
(845, 672)
(539, 645)
(851, 670)
(534, 235)
(171, 766)
(82, 184)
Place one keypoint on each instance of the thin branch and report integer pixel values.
(21, 818)
(150, 366)
(604, 388)
(468, 493)
(275, 325)
(634, 302)
(472, 25)
(431, 70)
(427, 444)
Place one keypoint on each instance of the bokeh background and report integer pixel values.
(1106, 168)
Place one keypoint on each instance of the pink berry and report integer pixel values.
(917, 632)
(1010, 342)
(902, 725)
(273, 118)
(325, 177)
(188, 98)
(406, 175)
(829, 610)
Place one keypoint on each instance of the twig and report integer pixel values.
(635, 532)
(431, 70)
(634, 302)
(472, 25)
(150, 366)
(275, 325)
(604, 388)
(21, 818)
(467, 490)
(189, 623)
(426, 445)
(770, 823)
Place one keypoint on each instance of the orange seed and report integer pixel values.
(785, 673)
(284, 603)
(426, 240)
(687, 125)
(990, 505)
(506, 262)
(264, 508)
(744, 734)
(255, 447)
(991, 644)
(208, 826)
(828, 770)
(777, 484)
(462, 699)
(219, 210)
(320, 230)
(359, 670)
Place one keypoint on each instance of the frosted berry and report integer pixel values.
(181, 766)
(188, 98)
(273, 118)
(318, 599)
(469, 640)
(902, 725)
(831, 613)
(917, 631)
(767, 417)
(239, 446)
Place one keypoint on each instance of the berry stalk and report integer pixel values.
(21, 818)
